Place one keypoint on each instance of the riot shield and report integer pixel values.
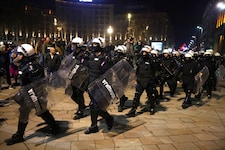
(61, 77)
(33, 96)
(70, 72)
(220, 73)
(79, 78)
(200, 79)
(111, 85)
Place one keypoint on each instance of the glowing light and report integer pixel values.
(221, 5)
(85, 1)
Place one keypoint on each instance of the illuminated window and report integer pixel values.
(49, 11)
(26, 8)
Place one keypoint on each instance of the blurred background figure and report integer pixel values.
(52, 63)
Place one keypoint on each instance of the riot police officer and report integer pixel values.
(121, 53)
(145, 73)
(155, 60)
(78, 59)
(208, 60)
(97, 64)
(189, 69)
(168, 66)
(32, 93)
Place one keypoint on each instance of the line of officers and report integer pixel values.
(152, 70)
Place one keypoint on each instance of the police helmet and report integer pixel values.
(146, 49)
(166, 51)
(154, 52)
(78, 41)
(207, 53)
(188, 55)
(100, 41)
(217, 54)
(175, 53)
(26, 49)
(121, 48)
(201, 52)
(210, 51)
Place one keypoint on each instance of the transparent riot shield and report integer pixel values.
(200, 79)
(33, 95)
(111, 86)
(70, 72)
(220, 73)
(79, 78)
(61, 77)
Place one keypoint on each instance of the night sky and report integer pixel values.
(185, 15)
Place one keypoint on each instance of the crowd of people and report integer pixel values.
(28, 65)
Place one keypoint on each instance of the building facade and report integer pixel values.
(86, 20)
(213, 23)
(30, 20)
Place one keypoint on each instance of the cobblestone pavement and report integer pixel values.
(200, 127)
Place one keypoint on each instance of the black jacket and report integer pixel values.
(52, 63)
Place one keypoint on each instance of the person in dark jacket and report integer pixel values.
(145, 73)
(5, 63)
(32, 94)
(189, 69)
(52, 62)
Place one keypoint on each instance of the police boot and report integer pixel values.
(94, 127)
(132, 112)
(109, 122)
(123, 99)
(81, 107)
(152, 111)
(109, 119)
(152, 104)
(209, 92)
(198, 96)
(50, 120)
(156, 96)
(79, 114)
(91, 129)
(18, 136)
(135, 104)
(160, 92)
(187, 101)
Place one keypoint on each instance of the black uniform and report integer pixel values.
(145, 81)
(168, 66)
(211, 64)
(189, 69)
(97, 64)
(218, 61)
(31, 95)
(79, 57)
(117, 57)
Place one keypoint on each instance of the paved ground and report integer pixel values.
(199, 127)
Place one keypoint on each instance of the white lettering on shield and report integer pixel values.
(32, 95)
(109, 88)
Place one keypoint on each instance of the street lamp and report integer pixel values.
(110, 31)
(129, 18)
(6, 34)
(221, 5)
(200, 28)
